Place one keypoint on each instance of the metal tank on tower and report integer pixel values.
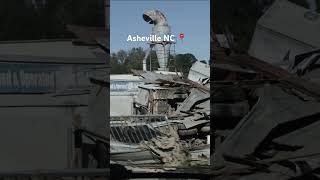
(160, 29)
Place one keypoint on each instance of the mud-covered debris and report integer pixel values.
(170, 150)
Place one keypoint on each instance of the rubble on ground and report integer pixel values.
(180, 137)
(266, 119)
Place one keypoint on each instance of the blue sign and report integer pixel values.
(35, 77)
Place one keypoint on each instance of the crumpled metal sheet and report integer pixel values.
(191, 122)
(195, 96)
(227, 110)
(233, 68)
(204, 106)
(307, 138)
(151, 76)
(274, 106)
(142, 97)
(157, 78)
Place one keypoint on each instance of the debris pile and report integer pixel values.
(171, 123)
(266, 119)
(266, 105)
(170, 150)
(184, 101)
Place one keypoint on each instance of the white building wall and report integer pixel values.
(123, 92)
(36, 130)
(121, 105)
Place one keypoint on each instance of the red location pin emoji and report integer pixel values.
(181, 35)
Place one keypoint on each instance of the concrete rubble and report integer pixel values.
(171, 152)
(178, 137)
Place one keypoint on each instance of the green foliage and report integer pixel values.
(184, 63)
(154, 61)
(135, 58)
(123, 61)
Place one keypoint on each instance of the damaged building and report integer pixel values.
(266, 104)
(169, 126)
(178, 106)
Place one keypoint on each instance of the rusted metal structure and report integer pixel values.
(160, 29)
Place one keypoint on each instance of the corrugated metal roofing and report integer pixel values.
(288, 19)
(201, 68)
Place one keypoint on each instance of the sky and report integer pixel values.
(191, 17)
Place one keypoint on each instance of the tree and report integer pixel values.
(184, 62)
(135, 58)
(123, 62)
(154, 61)
(117, 68)
(122, 56)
